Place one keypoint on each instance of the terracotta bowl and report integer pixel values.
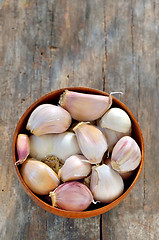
(98, 208)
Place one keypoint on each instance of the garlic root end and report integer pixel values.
(52, 195)
(79, 124)
(62, 98)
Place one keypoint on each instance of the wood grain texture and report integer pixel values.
(109, 45)
(132, 65)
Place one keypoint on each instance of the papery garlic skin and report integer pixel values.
(116, 119)
(112, 136)
(106, 184)
(85, 107)
(40, 178)
(48, 118)
(75, 167)
(91, 141)
(61, 145)
(126, 155)
(71, 196)
(23, 148)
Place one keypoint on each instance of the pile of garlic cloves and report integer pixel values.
(86, 138)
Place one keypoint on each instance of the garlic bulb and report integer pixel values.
(41, 146)
(112, 136)
(48, 118)
(85, 107)
(91, 141)
(71, 196)
(74, 168)
(116, 119)
(23, 148)
(40, 178)
(126, 155)
(106, 184)
(61, 145)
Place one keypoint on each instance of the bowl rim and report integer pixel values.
(57, 211)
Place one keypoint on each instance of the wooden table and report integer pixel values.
(108, 45)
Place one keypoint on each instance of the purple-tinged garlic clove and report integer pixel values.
(91, 141)
(72, 196)
(126, 155)
(116, 119)
(75, 167)
(106, 184)
(23, 148)
(39, 177)
(48, 118)
(85, 107)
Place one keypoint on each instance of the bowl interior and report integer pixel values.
(94, 209)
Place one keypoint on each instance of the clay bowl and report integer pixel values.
(98, 208)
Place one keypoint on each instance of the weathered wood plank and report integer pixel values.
(135, 54)
(111, 45)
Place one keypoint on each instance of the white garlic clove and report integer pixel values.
(85, 107)
(116, 119)
(65, 145)
(75, 167)
(112, 136)
(40, 178)
(23, 148)
(61, 145)
(71, 196)
(48, 118)
(91, 141)
(126, 155)
(106, 184)
(41, 146)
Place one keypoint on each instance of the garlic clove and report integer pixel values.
(112, 136)
(48, 118)
(106, 184)
(85, 107)
(40, 178)
(116, 119)
(126, 155)
(23, 148)
(124, 176)
(65, 145)
(41, 146)
(71, 196)
(76, 123)
(91, 141)
(75, 167)
(61, 145)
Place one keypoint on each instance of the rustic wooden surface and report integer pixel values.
(103, 44)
